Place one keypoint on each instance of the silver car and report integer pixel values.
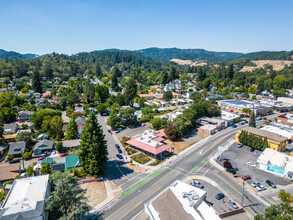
(232, 203)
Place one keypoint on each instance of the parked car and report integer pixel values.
(110, 131)
(257, 153)
(117, 146)
(252, 150)
(196, 184)
(239, 145)
(231, 170)
(246, 177)
(53, 152)
(15, 161)
(142, 125)
(270, 183)
(42, 158)
(63, 155)
(250, 164)
(119, 150)
(258, 186)
(234, 126)
(117, 131)
(2, 159)
(220, 196)
(119, 156)
(232, 203)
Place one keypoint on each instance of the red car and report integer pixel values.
(42, 158)
(63, 155)
(247, 177)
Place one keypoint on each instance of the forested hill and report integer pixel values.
(269, 55)
(11, 55)
(189, 54)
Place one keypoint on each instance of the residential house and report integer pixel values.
(212, 88)
(3, 90)
(26, 199)
(10, 128)
(71, 144)
(47, 94)
(9, 172)
(3, 147)
(17, 149)
(43, 146)
(72, 161)
(24, 115)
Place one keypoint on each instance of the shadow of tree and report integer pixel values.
(115, 169)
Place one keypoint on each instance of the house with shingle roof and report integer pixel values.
(17, 149)
(43, 146)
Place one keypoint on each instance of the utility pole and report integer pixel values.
(242, 193)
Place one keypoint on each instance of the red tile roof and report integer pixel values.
(148, 148)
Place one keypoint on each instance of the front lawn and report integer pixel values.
(140, 158)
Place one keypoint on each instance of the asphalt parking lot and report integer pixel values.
(221, 206)
(238, 158)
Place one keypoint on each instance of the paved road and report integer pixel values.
(140, 188)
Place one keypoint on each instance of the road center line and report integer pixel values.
(226, 182)
(119, 168)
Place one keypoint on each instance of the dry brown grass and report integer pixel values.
(189, 62)
(95, 192)
(277, 64)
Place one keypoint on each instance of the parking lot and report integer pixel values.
(221, 206)
(131, 131)
(240, 156)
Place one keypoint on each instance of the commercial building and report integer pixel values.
(207, 130)
(276, 162)
(286, 119)
(275, 141)
(287, 100)
(283, 130)
(180, 201)
(26, 199)
(236, 105)
(229, 117)
(150, 142)
(277, 105)
(152, 96)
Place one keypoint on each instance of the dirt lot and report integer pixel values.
(189, 62)
(277, 64)
(179, 145)
(95, 192)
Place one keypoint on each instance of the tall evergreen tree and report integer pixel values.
(6, 59)
(72, 129)
(36, 81)
(98, 70)
(230, 71)
(130, 91)
(1, 130)
(252, 122)
(48, 71)
(89, 92)
(164, 77)
(173, 74)
(93, 149)
(114, 82)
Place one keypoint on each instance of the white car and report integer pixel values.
(53, 152)
(250, 164)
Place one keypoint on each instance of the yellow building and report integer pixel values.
(275, 141)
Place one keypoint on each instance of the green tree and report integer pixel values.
(102, 93)
(158, 123)
(182, 124)
(36, 81)
(38, 116)
(128, 115)
(130, 91)
(67, 201)
(252, 122)
(59, 146)
(282, 211)
(98, 71)
(173, 74)
(24, 136)
(72, 129)
(1, 130)
(230, 71)
(102, 108)
(168, 96)
(53, 126)
(89, 92)
(114, 119)
(29, 171)
(48, 70)
(46, 169)
(246, 110)
(93, 149)
(164, 77)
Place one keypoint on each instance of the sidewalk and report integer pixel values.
(112, 193)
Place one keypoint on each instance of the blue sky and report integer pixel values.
(74, 26)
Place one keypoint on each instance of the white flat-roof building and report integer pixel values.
(283, 130)
(276, 162)
(26, 199)
(180, 201)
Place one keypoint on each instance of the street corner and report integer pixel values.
(138, 168)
